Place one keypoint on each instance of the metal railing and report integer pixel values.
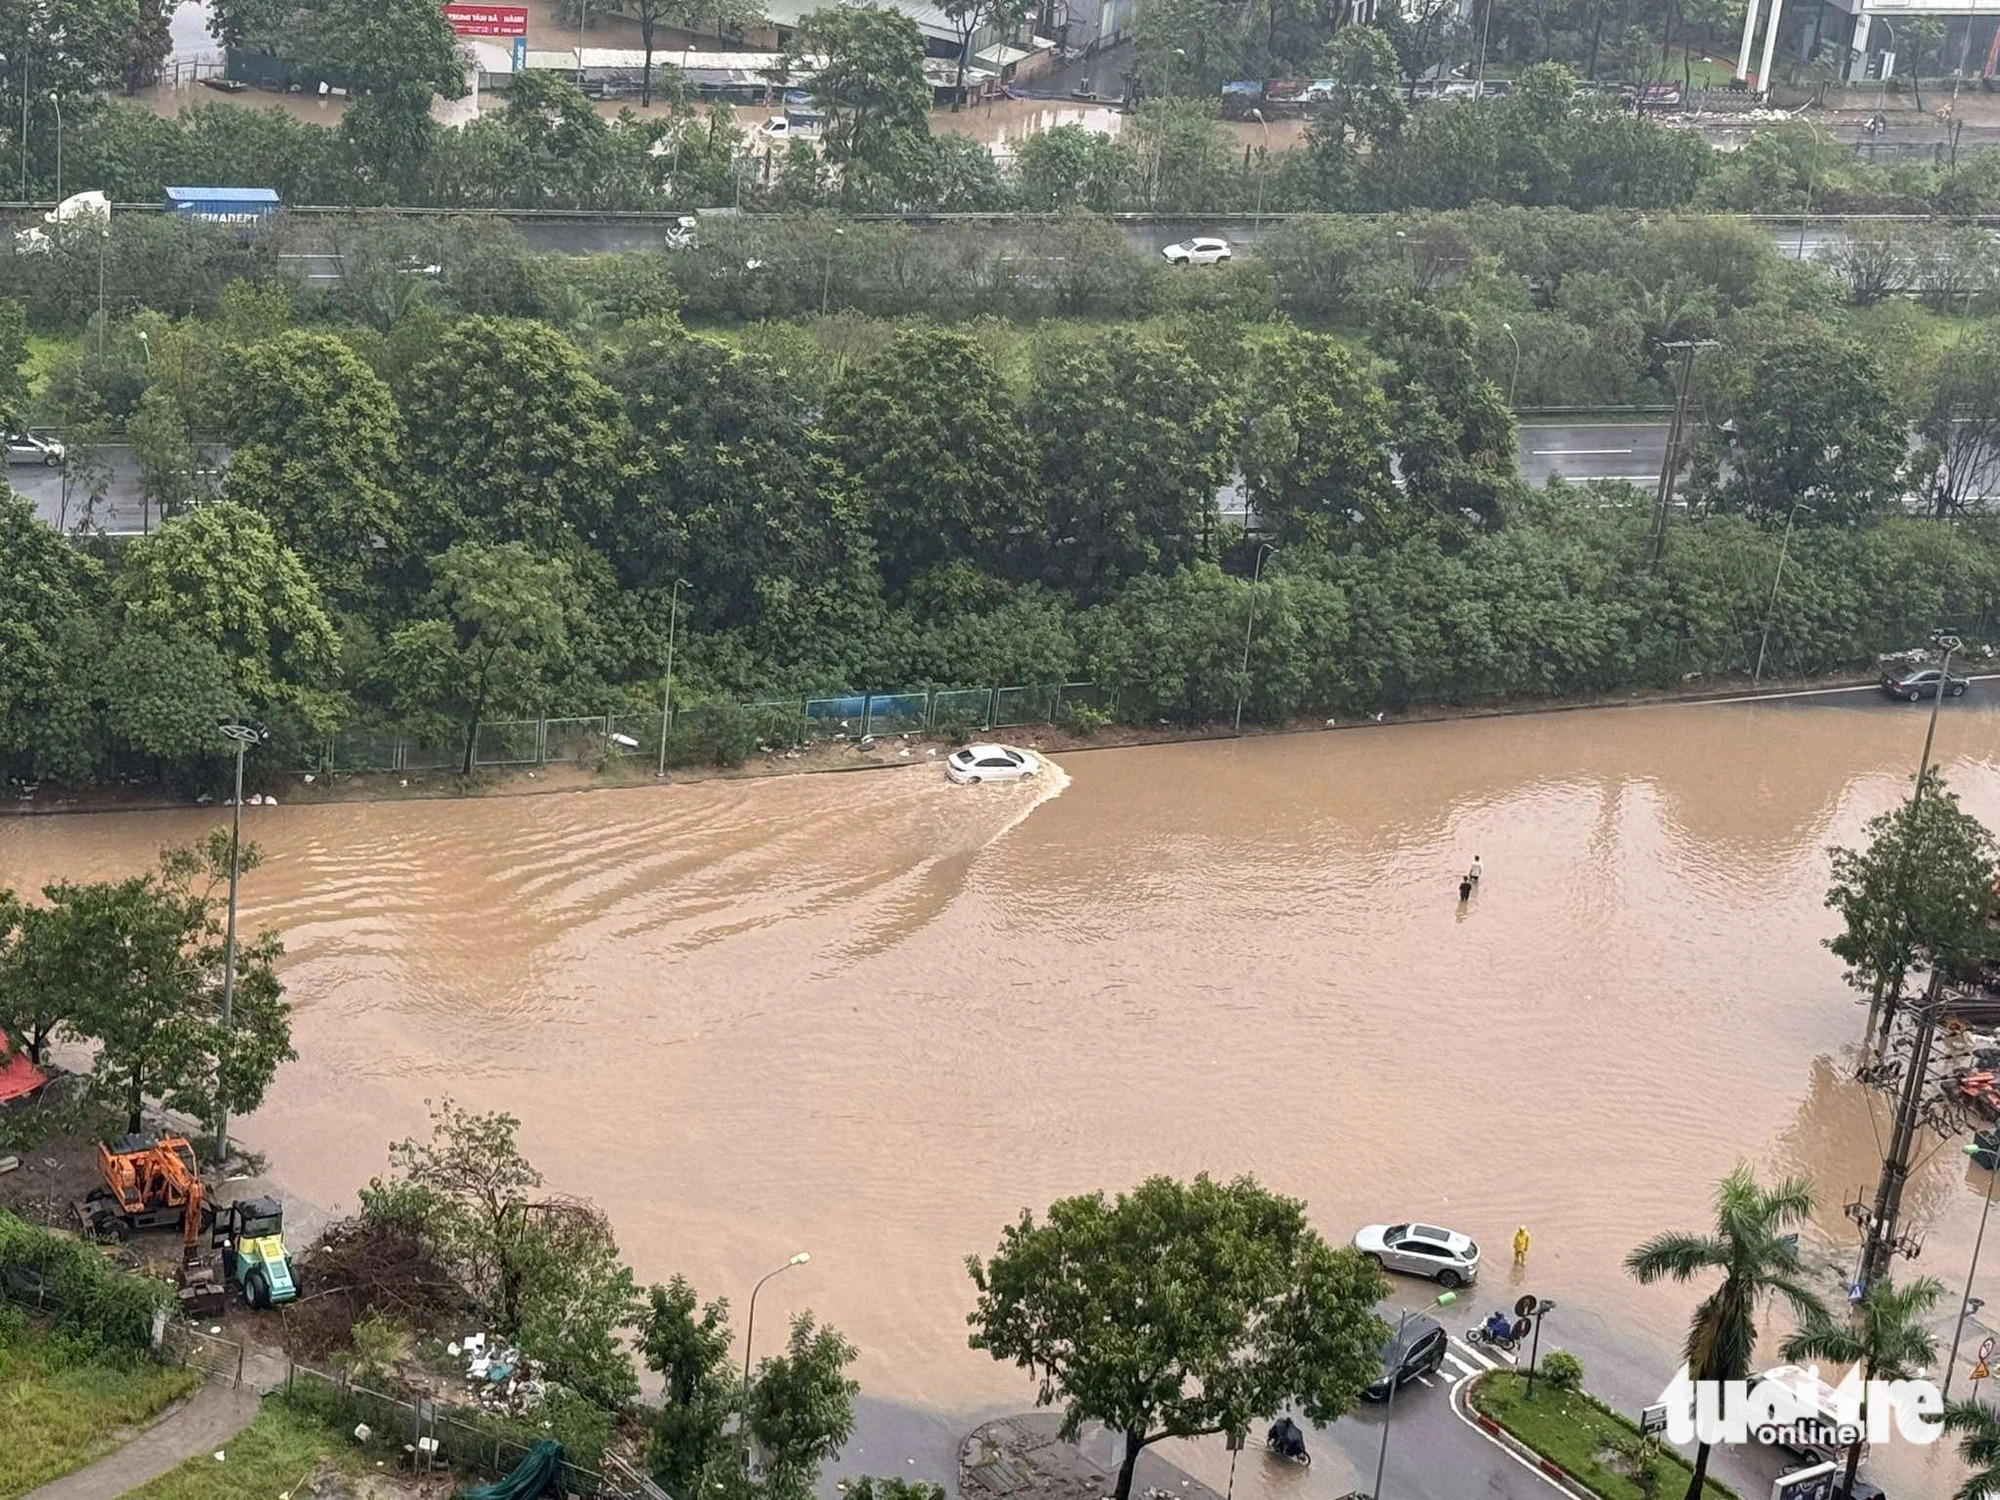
(591, 739)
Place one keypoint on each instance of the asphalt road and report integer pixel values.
(1588, 449)
(121, 510)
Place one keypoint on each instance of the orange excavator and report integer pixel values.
(153, 1182)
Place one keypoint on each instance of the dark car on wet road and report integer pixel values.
(1417, 1350)
(1922, 682)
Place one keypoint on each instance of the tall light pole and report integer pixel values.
(749, 1333)
(1811, 178)
(1485, 29)
(1250, 624)
(1514, 379)
(1444, 1299)
(56, 100)
(243, 736)
(826, 277)
(667, 701)
(1950, 643)
(1776, 578)
(1965, 1302)
(1263, 166)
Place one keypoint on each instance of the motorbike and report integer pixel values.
(1285, 1441)
(1497, 1332)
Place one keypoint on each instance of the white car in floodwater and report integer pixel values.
(1445, 1256)
(977, 763)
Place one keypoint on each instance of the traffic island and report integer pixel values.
(1582, 1442)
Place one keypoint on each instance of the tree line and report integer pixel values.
(452, 516)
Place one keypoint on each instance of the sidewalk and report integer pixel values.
(206, 1421)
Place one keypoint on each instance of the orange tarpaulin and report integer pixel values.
(18, 1076)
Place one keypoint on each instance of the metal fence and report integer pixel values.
(436, 1434)
(589, 739)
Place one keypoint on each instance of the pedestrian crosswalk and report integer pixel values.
(1486, 1360)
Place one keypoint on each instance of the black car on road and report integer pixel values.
(1922, 682)
(1417, 1350)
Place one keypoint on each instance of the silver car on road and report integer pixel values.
(1445, 1256)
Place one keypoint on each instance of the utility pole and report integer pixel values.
(1670, 465)
(242, 736)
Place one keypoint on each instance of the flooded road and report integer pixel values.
(873, 1016)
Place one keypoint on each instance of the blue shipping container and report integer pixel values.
(223, 205)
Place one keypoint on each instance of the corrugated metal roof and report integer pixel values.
(221, 195)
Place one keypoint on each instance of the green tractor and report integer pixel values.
(251, 1232)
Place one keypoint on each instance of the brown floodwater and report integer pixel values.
(873, 1016)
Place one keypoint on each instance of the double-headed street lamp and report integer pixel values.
(749, 1333)
(242, 736)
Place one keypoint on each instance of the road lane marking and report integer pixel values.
(1461, 1366)
(1426, 1382)
(1475, 1353)
(1458, 1409)
(1577, 452)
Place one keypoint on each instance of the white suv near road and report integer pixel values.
(1446, 1257)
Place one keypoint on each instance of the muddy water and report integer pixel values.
(874, 1016)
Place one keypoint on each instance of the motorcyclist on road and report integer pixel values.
(1285, 1438)
(1498, 1327)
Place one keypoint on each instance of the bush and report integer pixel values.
(1563, 1370)
(1077, 717)
(90, 1299)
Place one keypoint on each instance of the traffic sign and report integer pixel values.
(1986, 1347)
(1982, 1371)
(1522, 1327)
(1524, 1307)
(1652, 1419)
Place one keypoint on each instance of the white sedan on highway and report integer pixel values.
(977, 763)
(1203, 251)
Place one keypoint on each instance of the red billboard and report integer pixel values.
(487, 20)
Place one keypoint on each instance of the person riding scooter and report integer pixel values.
(1285, 1439)
(1498, 1329)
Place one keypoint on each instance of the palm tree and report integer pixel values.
(1887, 1339)
(1751, 1245)
(1978, 1429)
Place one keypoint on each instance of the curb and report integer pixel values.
(1549, 1473)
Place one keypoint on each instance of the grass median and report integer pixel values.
(1589, 1442)
(63, 1406)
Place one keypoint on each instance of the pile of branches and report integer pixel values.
(360, 1268)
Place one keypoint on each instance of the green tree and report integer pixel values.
(1366, 113)
(1958, 420)
(1815, 425)
(317, 445)
(970, 17)
(1977, 1427)
(577, 1298)
(219, 574)
(1178, 1310)
(1184, 158)
(729, 492)
(1754, 1249)
(138, 966)
(1068, 166)
(1922, 39)
(48, 591)
(165, 454)
(690, 1351)
(512, 437)
(870, 82)
(13, 363)
(1315, 450)
(493, 629)
(77, 47)
(395, 54)
(1454, 433)
(33, 1005)
(801, 1408)
(1919, 893)
(1886, 1339)
(929, 431)
(1134, 442)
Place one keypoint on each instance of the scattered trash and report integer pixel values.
(452, 1350)
(363, 1432)
(904, 753)
(269, 800)
(9, 1164)
(214, 1329)
(310, 778)
(220, 1455)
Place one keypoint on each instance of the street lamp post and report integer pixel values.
(1514, 379)
(667, 699)
(1772, 608)
(1950, 643)
(1811, 178)
(56, 100)
(1250, 624)
(1965, 1303)
(749, 1333)
(1263, 166)
(1444, 1299)
(243, 736)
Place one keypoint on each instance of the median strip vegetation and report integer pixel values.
(1589, 1442)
